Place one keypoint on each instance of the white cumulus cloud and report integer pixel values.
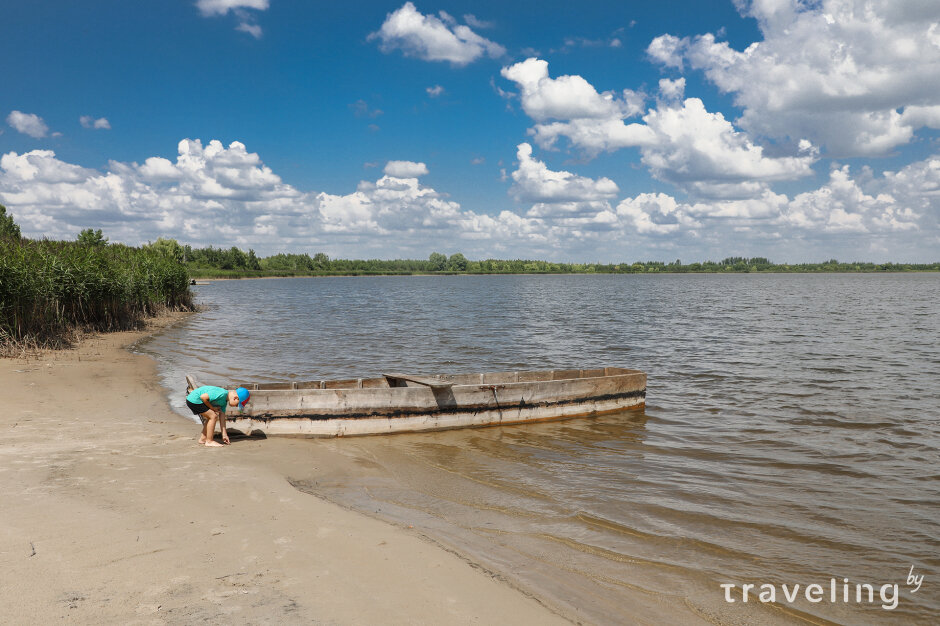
(249, 27)
(672, 89)
(212, 194)
(405, 169)
(472, 20)
(703, 153)
(28, 124)
(921, 116)
(667, 50)
(433, 38)
(223, 196)
(594, 122)
(655, 213)
(88, 121)
(839, 206)
(841, 73)
(567, 97)
(246, 20)
(558, 192)
(221, 7)
(534, 182)
(680, 141)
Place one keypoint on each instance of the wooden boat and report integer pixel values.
(397, 403)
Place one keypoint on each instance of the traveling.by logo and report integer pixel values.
(846, 592)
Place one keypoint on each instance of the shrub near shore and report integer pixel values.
(52, 290)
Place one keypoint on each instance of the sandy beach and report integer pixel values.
(113, 514)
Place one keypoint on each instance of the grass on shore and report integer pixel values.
(53, 291)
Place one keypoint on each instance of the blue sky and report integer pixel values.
(591, 131)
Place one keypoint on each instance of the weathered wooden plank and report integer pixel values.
(527, 377)
(433, 383)
(374, 383)
(348, 383)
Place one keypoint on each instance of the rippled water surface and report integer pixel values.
(790, 433)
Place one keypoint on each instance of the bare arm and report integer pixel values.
(219, 413)
(205, 400)
(222, 427)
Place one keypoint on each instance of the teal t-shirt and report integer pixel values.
(218, 397)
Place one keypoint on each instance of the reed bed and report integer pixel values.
(52, 291)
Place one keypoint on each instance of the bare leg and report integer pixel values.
(209, 431)
(204, 419)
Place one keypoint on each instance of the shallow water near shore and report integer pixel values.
(790, 434)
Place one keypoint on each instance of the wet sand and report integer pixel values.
(113, 514)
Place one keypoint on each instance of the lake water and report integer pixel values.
(790, 434)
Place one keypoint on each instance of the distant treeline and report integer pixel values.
(50, 291)
(233, 263)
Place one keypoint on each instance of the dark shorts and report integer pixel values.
(197, 409)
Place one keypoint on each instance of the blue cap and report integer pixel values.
(243, 396)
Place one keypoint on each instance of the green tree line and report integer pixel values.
(232, 262)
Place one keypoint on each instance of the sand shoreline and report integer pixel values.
(113, 514)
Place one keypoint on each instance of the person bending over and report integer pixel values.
(209, 403)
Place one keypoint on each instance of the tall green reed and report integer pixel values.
(51, 290)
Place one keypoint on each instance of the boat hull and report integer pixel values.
(395, 405)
